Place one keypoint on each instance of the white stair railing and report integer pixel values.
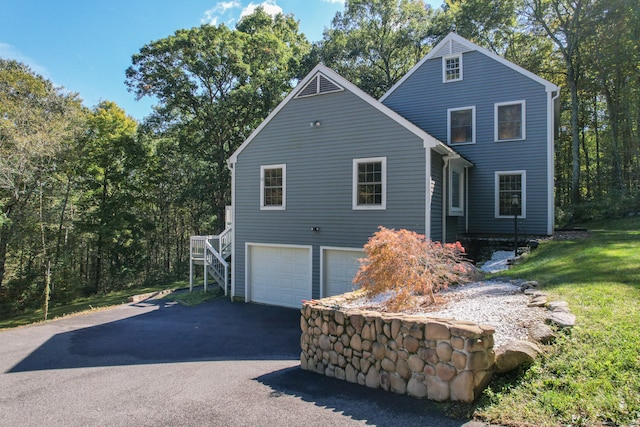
(211, 251)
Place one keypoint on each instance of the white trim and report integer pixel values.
(459, 211)
(444, 67)
(523, 120)
(523, 193)
(354, 200)
(551, 161)
(473, 125)
(322, 261)
(549, 87)
(247, 264)
(428, 140)
(282, 207)
(233, 231)
(428, 193)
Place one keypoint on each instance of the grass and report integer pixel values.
(591, 375)
(198, 296)
(80, 305)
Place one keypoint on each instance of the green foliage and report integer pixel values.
(406, 264)
(374, 43)
(591, 375)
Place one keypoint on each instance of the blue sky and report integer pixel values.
(86, 45)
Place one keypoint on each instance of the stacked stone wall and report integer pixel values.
(437, 359)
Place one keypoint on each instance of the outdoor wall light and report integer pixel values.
(315, 228)
(315, 124)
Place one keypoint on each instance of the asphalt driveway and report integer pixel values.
(159, 363)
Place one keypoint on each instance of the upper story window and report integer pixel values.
(370, 183)
(509, 121)
(511, 195)
(451, 68)
(273, 179)
(461, 125)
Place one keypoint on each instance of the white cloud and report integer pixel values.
(269, 6)
(8, 51)
(333, 1)
(212, 15)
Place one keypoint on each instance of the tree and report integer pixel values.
(566, 23)
(37, 121)
(111, 161)
(489, 23)
(373, 43)
(214, 86)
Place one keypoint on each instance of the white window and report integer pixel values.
(511, 194)
(461, 125)
(451, 68)
(370, 183)
(456, 191)
(509, 120)
(273, 185)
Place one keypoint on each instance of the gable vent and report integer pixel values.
(318, 85)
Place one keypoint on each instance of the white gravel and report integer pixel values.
(500, 304)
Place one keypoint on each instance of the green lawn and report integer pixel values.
(590, 376)
(93, 302)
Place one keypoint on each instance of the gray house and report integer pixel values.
(444, 152)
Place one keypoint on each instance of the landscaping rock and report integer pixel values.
(542, 333)
(558, 306)
(514, 354)
(538, 301)
(563, 320)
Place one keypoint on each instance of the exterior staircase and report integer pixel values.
(214, 254)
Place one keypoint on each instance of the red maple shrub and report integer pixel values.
(407, 264)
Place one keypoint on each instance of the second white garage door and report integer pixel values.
(279, 275)
(339, 267)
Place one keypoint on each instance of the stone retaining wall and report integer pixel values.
(438, 359)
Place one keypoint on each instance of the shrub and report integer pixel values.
(406, 264)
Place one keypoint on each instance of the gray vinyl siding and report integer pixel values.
(424, 100)
(319, 168)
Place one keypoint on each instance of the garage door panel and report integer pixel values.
(339, 269)
(279, 275)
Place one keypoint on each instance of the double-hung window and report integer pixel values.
(273, 181)
(511, 194)
(451, 68)
(370, 183)
(461, 127)
(509, 121)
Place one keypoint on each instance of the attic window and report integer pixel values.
(451, 68)
(319, 84)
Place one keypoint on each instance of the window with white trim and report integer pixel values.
(456, 191)
(273, 180)
(511, 194)
(370, 183)
(509, 120)
(461, 125)
(451, 68)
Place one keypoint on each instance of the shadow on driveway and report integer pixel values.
(215, 330)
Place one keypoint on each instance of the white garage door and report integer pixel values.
(279, 275)
(339, 268)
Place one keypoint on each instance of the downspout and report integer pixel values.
(428, 195)
(466, 199)
(232, 168)
(551, 161)
(445, 196)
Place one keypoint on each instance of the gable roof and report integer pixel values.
(323, 75)
(454, 44)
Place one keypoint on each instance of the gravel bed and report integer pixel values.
(500, 304)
